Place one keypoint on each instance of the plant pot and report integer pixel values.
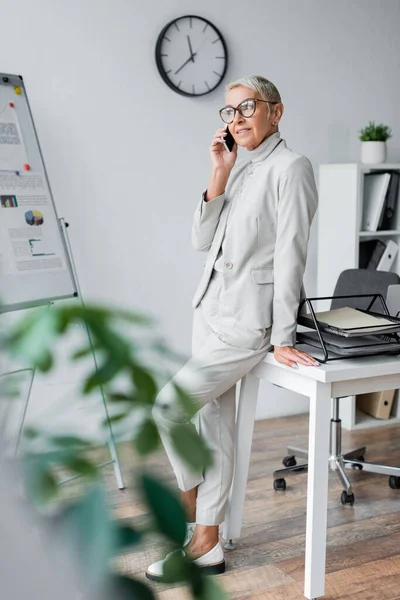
(373, 152)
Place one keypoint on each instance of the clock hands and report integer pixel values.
(186, 62)
(192, 54)
(190, 49)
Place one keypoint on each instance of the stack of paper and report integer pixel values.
(351, 322)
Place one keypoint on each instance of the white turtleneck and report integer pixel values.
(255, 156)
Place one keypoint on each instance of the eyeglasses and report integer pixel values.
(246, 108)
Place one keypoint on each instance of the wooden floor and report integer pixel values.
(363, 554)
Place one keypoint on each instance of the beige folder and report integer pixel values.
(376, 404)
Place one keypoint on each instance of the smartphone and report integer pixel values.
(228, 140)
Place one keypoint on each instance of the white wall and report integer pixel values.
(127, 157)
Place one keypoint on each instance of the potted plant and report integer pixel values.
(373, 142)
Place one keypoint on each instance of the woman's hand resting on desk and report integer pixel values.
(287, 355)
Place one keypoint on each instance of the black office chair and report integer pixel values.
(351, 281)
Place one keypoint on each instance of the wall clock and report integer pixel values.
(191, 56)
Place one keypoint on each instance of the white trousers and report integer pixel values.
(223, 352)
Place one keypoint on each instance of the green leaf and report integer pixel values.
(211, 590)
(81, 466)
(124, 588)
(33, 338)
(145, 385)
(41, 485)
(81, 353)
(102, 375)
(44, 362)
(131, 317)
(91, 535)
(175, 567)
(375, 133)
(69, 441)
(118, 397)
(167, 510)
(190, 446)
(114, 419)
(189, 406)
(196, 579)
(146, 437)
(109, 340)
(127, 536)
(30, 433)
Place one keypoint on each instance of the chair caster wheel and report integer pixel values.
(289, 461)
(279, 485)
(394, 482)
(347, 498)
(359, 467)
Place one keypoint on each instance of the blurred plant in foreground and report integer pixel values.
(85, 524)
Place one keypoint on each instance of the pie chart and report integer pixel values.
(34, 217)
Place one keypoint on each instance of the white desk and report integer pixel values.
(333, 379)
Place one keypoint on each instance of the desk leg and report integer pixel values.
(244, 436)
(317, 490)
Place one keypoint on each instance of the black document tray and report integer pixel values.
(388, 342)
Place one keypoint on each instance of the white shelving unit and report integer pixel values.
(340, 188)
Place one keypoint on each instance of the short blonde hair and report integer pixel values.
(266, 89)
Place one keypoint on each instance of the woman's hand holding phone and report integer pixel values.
(221, 163)
(220, 158)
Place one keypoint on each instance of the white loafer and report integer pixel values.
(211, 563)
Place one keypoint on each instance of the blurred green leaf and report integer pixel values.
(190, 446)
(114, 419)
(124, 588)
(119, 397)
(102, 375)
(146, 438)
(109, 340)
(127, 536)
(188, 404)
(132, 317)
(211, 590)
(33, 337)
(81, 466)
(41, 485)
(145, 384)
(81, 353)
(44, 361)
(196, 579)
(175, 567)
(30, 432)
(68, 441)
(168, 512)
(91, 535)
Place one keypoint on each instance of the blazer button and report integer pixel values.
(228, 264)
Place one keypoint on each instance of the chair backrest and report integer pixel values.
(362, 281)
(393, 300)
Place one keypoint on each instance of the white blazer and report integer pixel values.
(265, 246)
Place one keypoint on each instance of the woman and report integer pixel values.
(254, 221)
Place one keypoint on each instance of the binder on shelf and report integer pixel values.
(377, 255)
(391, 200)
(387, 259)
(371, 251)
(376, 404)
(375, 188)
